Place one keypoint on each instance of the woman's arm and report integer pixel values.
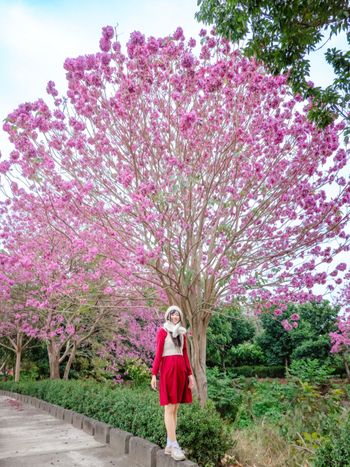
(161, 335)
(187, 360)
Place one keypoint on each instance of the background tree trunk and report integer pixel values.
(70, 362)
(346, 364)
(18, 364)
(18, 350)
(54, 361)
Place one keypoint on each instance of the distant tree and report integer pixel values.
(227, 329)
(247, 353)
(275, 341)
(311, 338)
(36, 361)
(310, 325)
(282, 35)
(15, 319)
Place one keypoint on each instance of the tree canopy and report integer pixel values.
(283, 34)
(195, 176)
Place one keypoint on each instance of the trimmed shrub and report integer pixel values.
(276, 371)
(202, 431)
(136, 411)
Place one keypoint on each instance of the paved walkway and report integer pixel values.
(32, 438)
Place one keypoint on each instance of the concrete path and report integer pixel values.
(32, 438)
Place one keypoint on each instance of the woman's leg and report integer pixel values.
(176, 411)
(170, 421)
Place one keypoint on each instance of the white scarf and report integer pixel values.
(175, 329)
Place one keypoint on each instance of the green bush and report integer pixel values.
(203, 434)
(247, 354)
(137, 372)
(311, 414)
(136, 411)
(275, 371)
(312, 371)
(221, 391)
(335, 452)
(267, 399)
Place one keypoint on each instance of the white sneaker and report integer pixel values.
(167, 450)
(177, 454)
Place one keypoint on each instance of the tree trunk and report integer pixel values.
(18, 365)
(54, 361)
(346, 364)
(198, 358)
(70, 361)
(3, 367)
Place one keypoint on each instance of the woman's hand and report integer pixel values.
(191, 382)
(154, 382)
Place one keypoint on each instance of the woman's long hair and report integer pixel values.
(178, 339)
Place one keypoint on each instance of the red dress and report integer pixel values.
(174, 373)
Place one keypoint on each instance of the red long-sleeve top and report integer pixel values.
(161, 336)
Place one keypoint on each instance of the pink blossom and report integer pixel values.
(188, 120)
(187, 61)
(108, 32)
(286, 325)
(51, 89)
(105, 44)
(179, 35)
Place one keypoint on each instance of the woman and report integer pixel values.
(176, 379)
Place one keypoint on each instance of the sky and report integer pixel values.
(36, 36)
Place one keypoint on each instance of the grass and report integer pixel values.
(253, 446)
(284, 424)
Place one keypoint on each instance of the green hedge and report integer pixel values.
(276, 371)
(138, 412)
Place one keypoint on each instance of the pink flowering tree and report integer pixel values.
(18, 320)
(134, 338)
(16, 325)
(202, 169)
(72, 293)
(340, 339)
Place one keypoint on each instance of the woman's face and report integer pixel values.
(175, 317)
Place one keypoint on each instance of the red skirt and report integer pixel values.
(173, 381)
